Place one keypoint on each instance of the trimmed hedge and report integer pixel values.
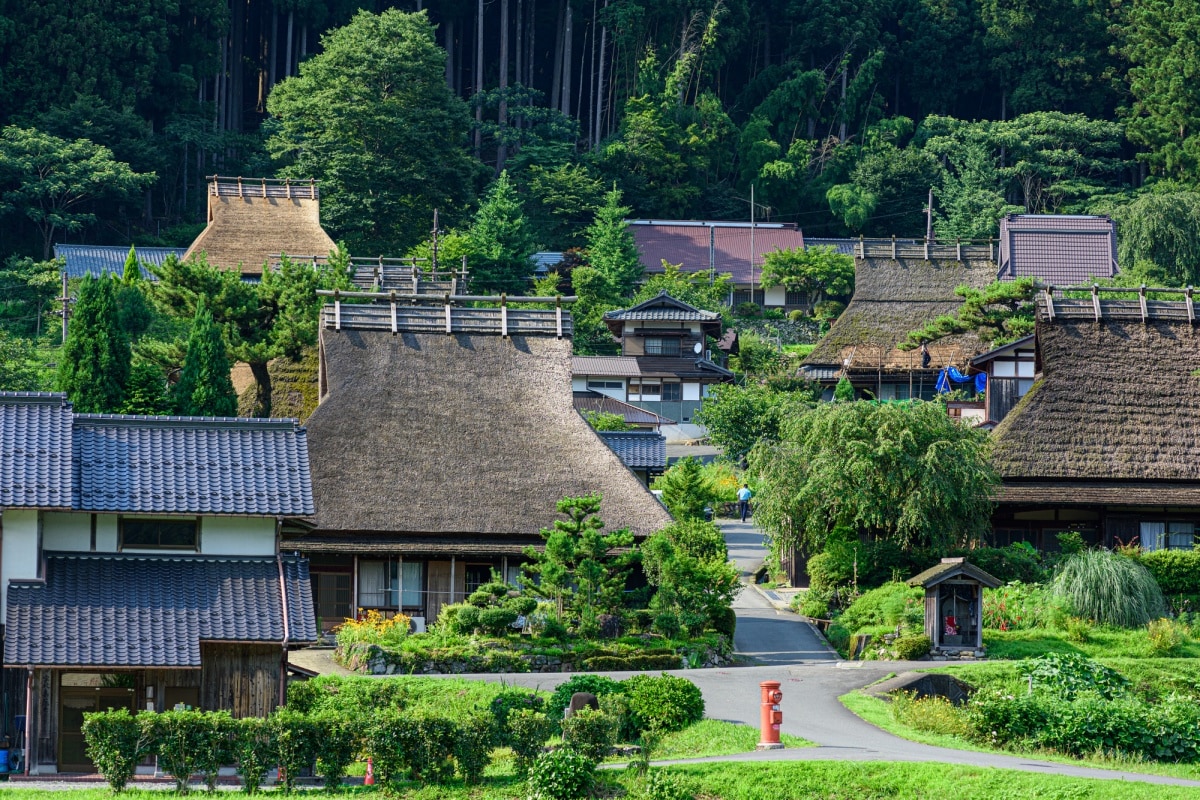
(114, 743)
(664, 702)
(1177, 571)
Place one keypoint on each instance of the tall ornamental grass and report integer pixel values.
(1110, 589)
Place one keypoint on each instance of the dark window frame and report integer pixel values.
(676, 391)
(663, 346)
(124, 522)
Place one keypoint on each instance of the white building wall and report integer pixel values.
(691, 391)
(106, 533)
(237, 536)
(579, 383)
(775, 296)
(66, 531)
(18, 550)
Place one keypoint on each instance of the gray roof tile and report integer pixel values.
(121, 610)
(1059, 249)
(97, 260)
(191, 465)
(35, 450)
(638, 449)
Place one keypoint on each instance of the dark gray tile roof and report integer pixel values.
(35, 450)
(120, 610)
(191, 465)
(952, 568)
(663, 307)
(1059, 249)
(97, 260)
(638, 449)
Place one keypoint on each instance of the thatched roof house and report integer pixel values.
(891, 298)
(1107, 442)
(449, 453)
(251, 220)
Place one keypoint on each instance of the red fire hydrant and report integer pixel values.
(772, 716)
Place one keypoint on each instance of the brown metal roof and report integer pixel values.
(616, 366)
(594, 401)
(687, 243)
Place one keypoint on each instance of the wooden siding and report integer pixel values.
(242, 679)
(1002, 395)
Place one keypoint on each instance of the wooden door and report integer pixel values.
(438, 593)
(72, 705)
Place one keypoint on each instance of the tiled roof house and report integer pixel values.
(140, 565)
(1057, 249)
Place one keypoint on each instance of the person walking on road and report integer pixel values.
(743, 495)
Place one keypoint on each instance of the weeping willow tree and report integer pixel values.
(1110, 589)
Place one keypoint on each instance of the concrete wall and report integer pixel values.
(19, 557)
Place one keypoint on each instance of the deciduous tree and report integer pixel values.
(820, 272)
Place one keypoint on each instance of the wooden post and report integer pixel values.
(337, 311)
(893, 246)
(1050, 302)
(958, 249)
(395, 328)
(1096, 300)
(452, 579)
(1142, 302)
(449, 330)
(862, 247)
(239, 186)
(558, 314)
(503, 316)
(1191, 309)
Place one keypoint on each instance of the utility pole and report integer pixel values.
(929, 217)
(66, 306)
(752, 244)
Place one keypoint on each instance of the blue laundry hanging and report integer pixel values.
(952, 374)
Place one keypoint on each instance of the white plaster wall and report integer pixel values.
(18, 550)
(237, 536)
(66, 531)
(106, 533)
(775, 296)
(691, 391)
(579, 383)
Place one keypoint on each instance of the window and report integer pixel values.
(645, 391)
(596, 384)
(1167, 535)
(160, 534)
(672, 392)
(477, 575)
(795, 298)
(662, 347)
(390, 584)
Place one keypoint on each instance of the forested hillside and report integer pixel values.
(841, 115)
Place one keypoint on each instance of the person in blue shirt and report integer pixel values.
(743, 495)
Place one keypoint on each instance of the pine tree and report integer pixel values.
(501, 241)
(204, 387)
(94, 365)
(146, 392)
(685, 490)
(132, 272)
(844, 391)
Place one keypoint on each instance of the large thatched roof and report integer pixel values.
(1118, 402)
(463, 436)
(891, 298)
(252, 220)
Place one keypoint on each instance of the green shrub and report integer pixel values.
(590, 732)
(114, 744)
(473, 745)
(562, 774)
(526, 732)
(663, 702)
(553, 628)
(467, 619)
(177, 738)
(930, 714)
(524, 606)
(354, 696)
(633, 661)
(387, 735)
(1078, 630)
(910, 648)
(1176, 571)
(891, 604)
(724, 621)
(660, 785)
(339, 743)
(1020, 606)
(1071, 542)
(813, 604)
(1110, 589)
(594, 684)
(218, 734)
(1166, 636)
(254, 751)
(667, 624)
(430, 747)
(1020, 561)
(1067, 675)
(617, 707)
(496, 621)
(296, 743)
(505, 703)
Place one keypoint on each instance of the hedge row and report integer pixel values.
(1177, 571)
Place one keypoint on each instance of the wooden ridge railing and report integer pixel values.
(1142, 307)
(417, 313)
(262, 187)
(958, 250)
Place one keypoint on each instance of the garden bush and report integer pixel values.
(373, 628)
(660, 786)
(296, 743)
(1166, 636)
(526, 733)
(594, 684)
(634, 661)
(930, 714)
(177, 738)
(667, 624)
(353, 696)
(1110, 589)
(910, 648)
(339, 741)
(254, 751)
(590, 732)
(508, 701)
(663, 702)
(1021, 606)
(496, 621)
(1176, 571)
(467, 619)
(724, 622)
(891, 604)
(617, 707)
(562, 774)
(473, 745)
(114, 744)
(217, 733)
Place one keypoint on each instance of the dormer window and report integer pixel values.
(661, 346)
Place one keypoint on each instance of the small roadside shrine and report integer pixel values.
(954, 605)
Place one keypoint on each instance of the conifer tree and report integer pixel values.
(132, 272)
(844, 391)
(204, 387)
(146, 392)
(685, 489)
(500, 241)
(611, 249)
(94, 366)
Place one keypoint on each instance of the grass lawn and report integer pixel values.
(711, 737)
(823, 780)
(1102, 643)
